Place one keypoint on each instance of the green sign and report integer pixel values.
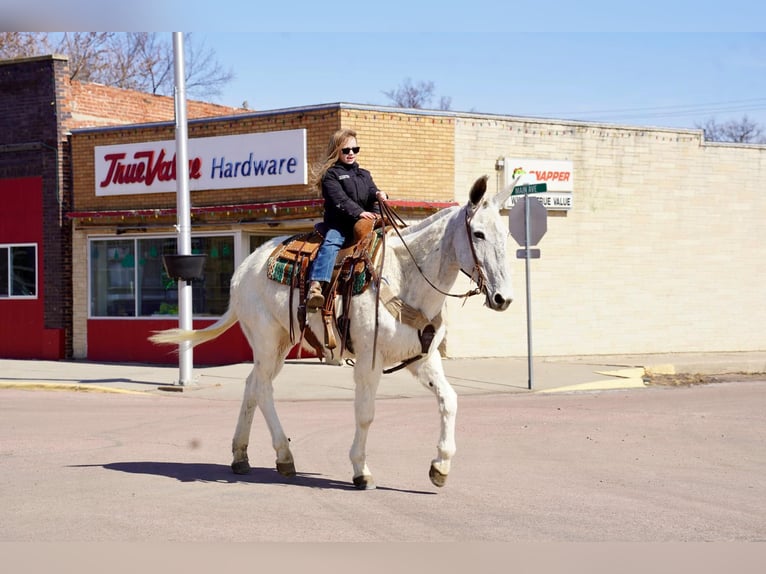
(530, 188)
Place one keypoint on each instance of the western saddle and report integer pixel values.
(353, 273)
(354, 269)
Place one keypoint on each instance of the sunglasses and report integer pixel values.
(348, 150)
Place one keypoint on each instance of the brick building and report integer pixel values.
(654, 240)
(228, 220)
(39, 105)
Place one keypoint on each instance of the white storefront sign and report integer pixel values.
(223, 162)
(558, 175)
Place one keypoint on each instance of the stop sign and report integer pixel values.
(538, 221)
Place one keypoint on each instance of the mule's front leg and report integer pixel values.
(365, 389)
(431, 375)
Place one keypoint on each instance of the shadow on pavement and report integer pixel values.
(205, 472)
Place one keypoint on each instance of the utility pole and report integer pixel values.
(183, 209)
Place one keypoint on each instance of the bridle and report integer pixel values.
(388, 213)
(481, 280)
(426, 334)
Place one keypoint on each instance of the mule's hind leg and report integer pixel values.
(430, 373)
(260, 392)
(240, 463)
(365, 389)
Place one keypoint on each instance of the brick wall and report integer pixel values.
(662, 251)
(40, 105)
(410, 155)
(32, 144)
(80, 302)
(94, 105)
(319, 125)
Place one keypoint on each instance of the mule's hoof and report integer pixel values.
(437, 478)
(240, 467)
(364, 482)
(286, 468)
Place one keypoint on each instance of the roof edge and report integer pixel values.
(27, 59)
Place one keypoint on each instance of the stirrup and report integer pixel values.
(314, 300)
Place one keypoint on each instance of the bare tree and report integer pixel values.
(445, 103)
(204, 74)
(144, 61)
(409, 95)
(23, 44)
(88, 54)
(133, 60)
(137, 61)
(741, 131)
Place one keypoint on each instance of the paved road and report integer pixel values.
(646, 465)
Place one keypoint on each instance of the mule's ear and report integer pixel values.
(478, 190)
(502, 196)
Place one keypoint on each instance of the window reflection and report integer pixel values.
(128, 278)
(18, 271)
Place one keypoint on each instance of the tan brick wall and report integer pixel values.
(319, 125)
(80, 294)
(663, 250)
(410, 156)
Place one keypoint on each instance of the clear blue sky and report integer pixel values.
(673, 63)
(661, 79)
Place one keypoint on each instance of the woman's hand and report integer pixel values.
(368, 215)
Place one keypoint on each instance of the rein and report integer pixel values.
(425, 331)
(388, 211)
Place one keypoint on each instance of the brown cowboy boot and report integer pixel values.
(314, 298)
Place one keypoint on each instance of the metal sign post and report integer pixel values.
(528, 224)
(183, 208)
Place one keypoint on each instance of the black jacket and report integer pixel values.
(348, 190)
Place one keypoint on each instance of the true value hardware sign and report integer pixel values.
(557, 175)
(223, 162)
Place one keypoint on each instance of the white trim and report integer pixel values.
(10, 296)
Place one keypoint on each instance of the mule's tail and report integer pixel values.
(196, 337)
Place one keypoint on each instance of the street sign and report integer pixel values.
(538, 221)
(530, 188)
(533, 253)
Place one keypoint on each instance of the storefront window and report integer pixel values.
(18, 271)
(128, 278)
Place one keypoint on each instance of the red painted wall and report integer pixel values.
(126, 341)
(22, 330)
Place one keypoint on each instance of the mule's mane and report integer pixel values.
(420, 225)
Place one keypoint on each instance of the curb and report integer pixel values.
(33, 385)
(631, 378)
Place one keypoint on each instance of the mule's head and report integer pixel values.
(483, 253)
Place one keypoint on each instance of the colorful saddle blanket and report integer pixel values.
(290, 261)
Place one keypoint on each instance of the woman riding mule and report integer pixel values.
(349, 194)
(419, 268)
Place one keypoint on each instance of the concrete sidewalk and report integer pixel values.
(310, 380)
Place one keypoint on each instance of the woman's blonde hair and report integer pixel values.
(331, 156)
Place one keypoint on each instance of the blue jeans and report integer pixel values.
(321, 269)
